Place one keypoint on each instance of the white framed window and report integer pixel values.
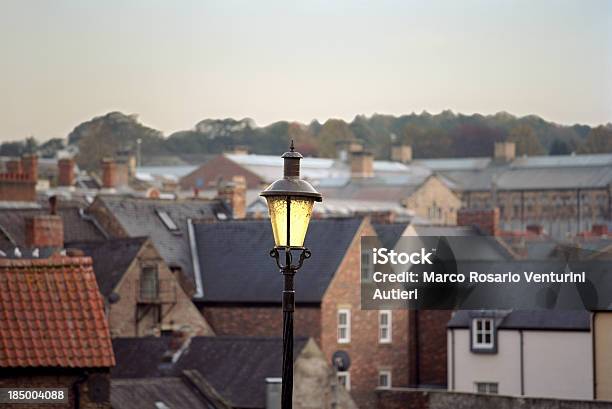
(344, 379)
(384, 379)
(483, 334)
(486, 387)
(385, 326)
(344, 326)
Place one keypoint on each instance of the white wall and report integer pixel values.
(556, 364)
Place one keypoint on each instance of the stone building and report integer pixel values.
(565, 195)
(142, 296)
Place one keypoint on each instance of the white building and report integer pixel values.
(521, 353)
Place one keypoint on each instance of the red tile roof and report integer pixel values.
(52, 315)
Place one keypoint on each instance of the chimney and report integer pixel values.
(234, 193)
(345, 148)
(401, 153)
(109, 173)
(30, 166)
(535, 229)
(65, 172)
(45, 230)
(485, 220)
(14, 166)
(504, 151)
(362, 164)
(273, 393)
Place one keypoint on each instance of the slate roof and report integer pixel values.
(235, 366)
(566, 320)
(374, 189)
(235, 264)
(139, 218)
(76, 227)
(189, 391)
(52, 315)
(111, 259)
(389, 233)
(525, 173)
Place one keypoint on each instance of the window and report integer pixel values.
(344, 326)
(344, 379)
(167, 220)
(483, 334)
(384, 379)
(149, 283)
(384, 326)
(486, 387)
(367, 265)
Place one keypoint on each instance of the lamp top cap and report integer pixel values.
(292, 154)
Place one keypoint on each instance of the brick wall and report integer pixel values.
(368, 356)
(434, 399)
(53, 378)
(44, 231)
(432, 347)
(261, 321)
(486, 220)
(434, 194)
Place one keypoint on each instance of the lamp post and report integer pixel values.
(290, 201)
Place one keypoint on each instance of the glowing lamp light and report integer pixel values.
(290, 202)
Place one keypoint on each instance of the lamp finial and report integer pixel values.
(292, 148)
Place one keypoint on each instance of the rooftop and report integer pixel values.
(53, 315)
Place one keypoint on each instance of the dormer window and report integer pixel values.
(483, 335)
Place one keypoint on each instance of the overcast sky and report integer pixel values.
(177, 62)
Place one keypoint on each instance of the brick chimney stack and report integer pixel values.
(45, 230)
(14, 166)
(362, 164)
(30, 166)
(234, 193)
(485, 220)
(401, 153)
(109, 173)
(65, 172)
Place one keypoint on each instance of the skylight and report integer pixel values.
(167, 220)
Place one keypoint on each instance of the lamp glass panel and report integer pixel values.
(301, 210)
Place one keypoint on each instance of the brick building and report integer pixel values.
(142, 296)
(53, 332)
(242, 291)
(564, 194)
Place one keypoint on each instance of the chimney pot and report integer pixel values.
(65, 172)
(30, 166)
(234, 193)
(109, 173)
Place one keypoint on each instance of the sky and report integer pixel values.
(175, 63)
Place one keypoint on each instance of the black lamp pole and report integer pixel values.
(291, 186)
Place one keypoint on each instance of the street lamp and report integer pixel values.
(290, 201)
